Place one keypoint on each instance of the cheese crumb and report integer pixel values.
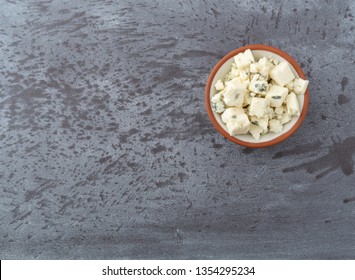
(219, 85)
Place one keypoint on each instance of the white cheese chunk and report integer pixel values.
(293, 107)
(217, 103)
(244, 59)
(276, 95)
(300, 86)
(234, 93)
(255, 131)
(262, 122)
(219, 85)
(238, 125)
(282, 73)
(231, 113)
(249, 55)
(285, 118)
(258, 107)
(260, 87)
(265, 62)
(275, 126)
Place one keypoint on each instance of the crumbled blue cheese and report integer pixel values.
(262, 122)
(300, 86)
(238, 125)
(265, 67)
(285, 118)
(234, 93)
(293, 108)
(255, 131)
(217, 103)
(270, 113)
(244, 59)
(282, 74)
(279, 110)
(219, 85)
(244, 75)
(254, 95)
(276, 95)
(275, 126)
(235, 72)
(273, 60)
(254, 68)
(259, 107)
(228, 77)
(247, 99)
(260, 87)
(231, 113)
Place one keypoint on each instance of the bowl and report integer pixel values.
(224, 66)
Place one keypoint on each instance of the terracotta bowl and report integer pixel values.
(247, 140)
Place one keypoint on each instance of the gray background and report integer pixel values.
(107, 150)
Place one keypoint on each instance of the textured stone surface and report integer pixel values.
(107, 151)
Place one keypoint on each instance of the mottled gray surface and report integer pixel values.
(107, 151)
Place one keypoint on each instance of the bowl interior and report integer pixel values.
(225, 68)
